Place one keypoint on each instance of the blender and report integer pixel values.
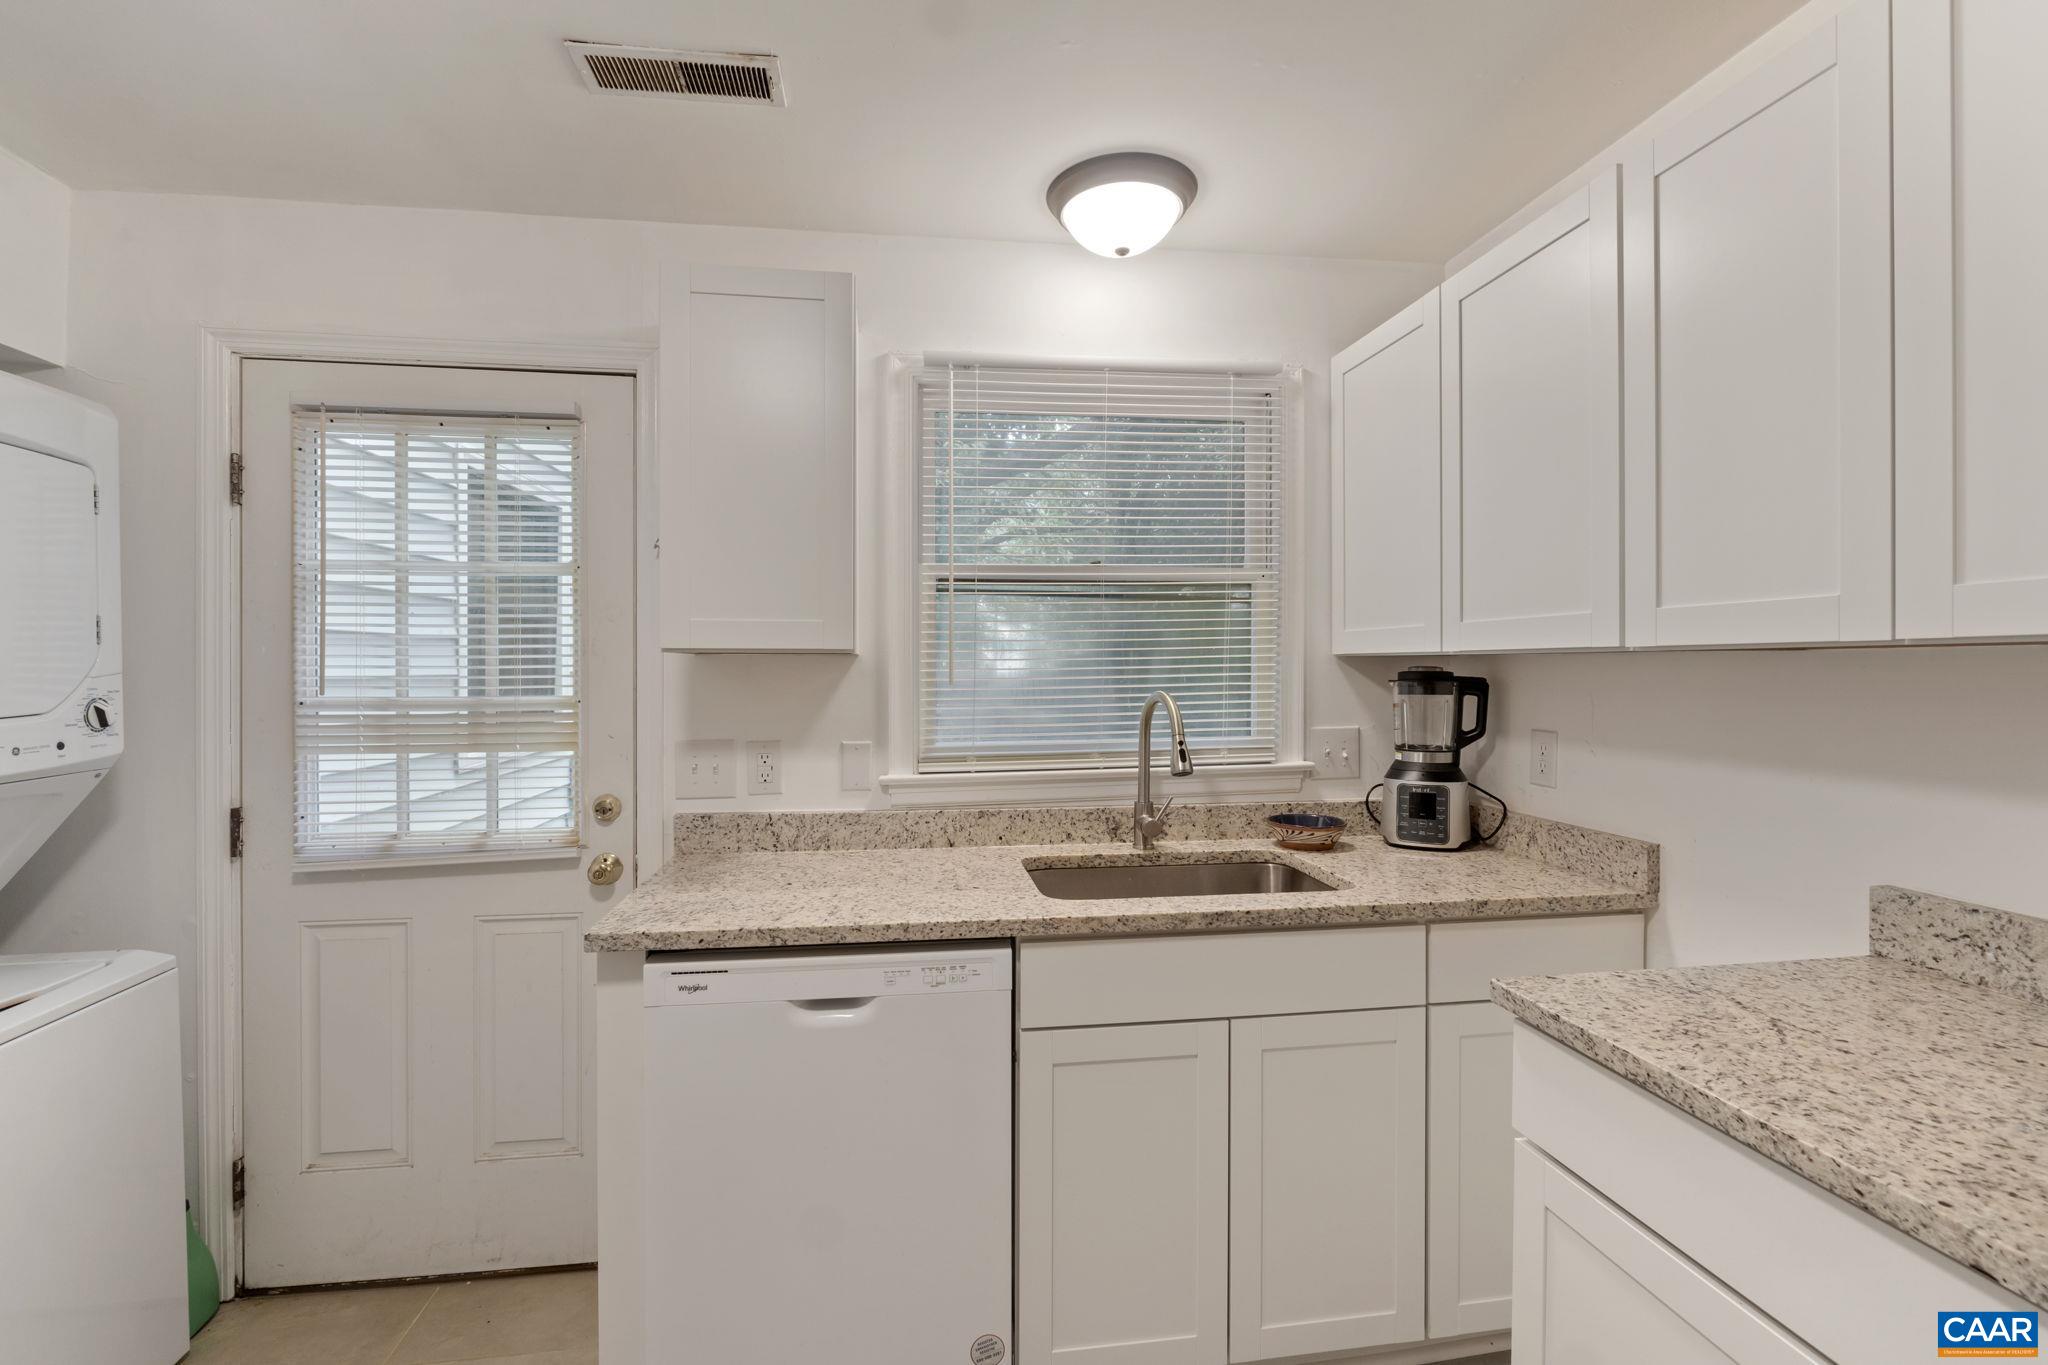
(1427, 800)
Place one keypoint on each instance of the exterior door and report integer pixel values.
(1326, 1203)
(437, 688)
(1123, 1212)
(1758, 289)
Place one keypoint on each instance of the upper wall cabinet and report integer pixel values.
(1386, 574)
(1532, 435)
(757, 460)
(1758, 353)
(1971, 157)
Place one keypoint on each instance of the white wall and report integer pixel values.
(1783, 783)
(150, 271)
(35, 246)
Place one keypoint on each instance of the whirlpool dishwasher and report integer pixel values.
(828, 1156)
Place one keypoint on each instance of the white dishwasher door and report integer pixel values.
(828, 1157)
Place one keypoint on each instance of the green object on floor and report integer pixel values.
(202, 1278)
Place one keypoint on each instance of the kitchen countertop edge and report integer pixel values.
(1927, 1221)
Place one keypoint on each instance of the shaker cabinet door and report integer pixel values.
(1122, 1216)
(1595, 1287)
(1532, 435)
(1471, 1169)
(757, 549)
(1385, 461)
(1326, 1201)
(1757, 263)
(1971, 159)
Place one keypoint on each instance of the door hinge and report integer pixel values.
(235, 478)
(238, 1184)
(95, 499)
(96, 637)
(235, 832)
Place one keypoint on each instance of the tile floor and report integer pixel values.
(542, 1319)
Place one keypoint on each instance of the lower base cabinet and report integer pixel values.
(1471, 1169)
(1326, 1182)
(1595, 1287)
(1311, 1154)
(1123, 1140)
(1241, 1190)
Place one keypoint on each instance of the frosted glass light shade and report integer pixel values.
(1121, 204)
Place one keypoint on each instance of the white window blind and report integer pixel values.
(437, 631)
(1086, 537)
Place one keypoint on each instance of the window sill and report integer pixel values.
(1038, 789)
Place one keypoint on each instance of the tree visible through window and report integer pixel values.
(1087, 537)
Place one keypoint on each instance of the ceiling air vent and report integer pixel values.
(730, 77)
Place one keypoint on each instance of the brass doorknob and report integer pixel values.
(606, 868)
(605, 808)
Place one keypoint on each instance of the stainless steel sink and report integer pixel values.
(1131, 881)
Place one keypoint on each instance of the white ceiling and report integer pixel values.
(1392, 129)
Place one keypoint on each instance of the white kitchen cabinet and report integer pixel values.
(1971, 162)
(1595, 1287)
(1471, 1169)
(1385, 531)
(1849, 1287)
(1757, 292)
(757, 549)
(1532, 434)
(1123, 1218)
(1326, 1175)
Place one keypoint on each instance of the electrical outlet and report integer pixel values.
(706, 768)
(1334, 750)
(1543, 758)
(856, 765)
(764, 767)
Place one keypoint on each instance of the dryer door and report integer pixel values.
(49, 580)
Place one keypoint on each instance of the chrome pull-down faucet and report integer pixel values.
(1148, 824)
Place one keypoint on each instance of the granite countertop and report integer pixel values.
(724, 891)
(1896, 1082)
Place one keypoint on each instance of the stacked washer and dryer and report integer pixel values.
(92, 1166)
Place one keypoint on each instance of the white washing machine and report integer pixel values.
(92, 1155)
(92, 1160)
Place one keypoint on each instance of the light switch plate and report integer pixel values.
(1543, 758)
(1334, 750)
(707, 768)
(856, 765)
(764, 767)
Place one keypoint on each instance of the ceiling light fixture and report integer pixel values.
(1123, 203)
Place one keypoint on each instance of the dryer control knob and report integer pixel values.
(98, 715)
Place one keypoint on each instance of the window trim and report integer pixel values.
(903, 784)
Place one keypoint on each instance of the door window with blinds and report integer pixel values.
(1088, 536)
(436, 605)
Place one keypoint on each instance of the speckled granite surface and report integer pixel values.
(1914, 1096)
(877, 877)
(1972, 943)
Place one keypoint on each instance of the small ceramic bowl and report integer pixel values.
(1305, 833)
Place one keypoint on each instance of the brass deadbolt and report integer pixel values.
(606, 808)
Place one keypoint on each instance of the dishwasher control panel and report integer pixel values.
(851, 974)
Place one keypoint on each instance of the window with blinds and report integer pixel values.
(437, 624)
(1086, 537)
